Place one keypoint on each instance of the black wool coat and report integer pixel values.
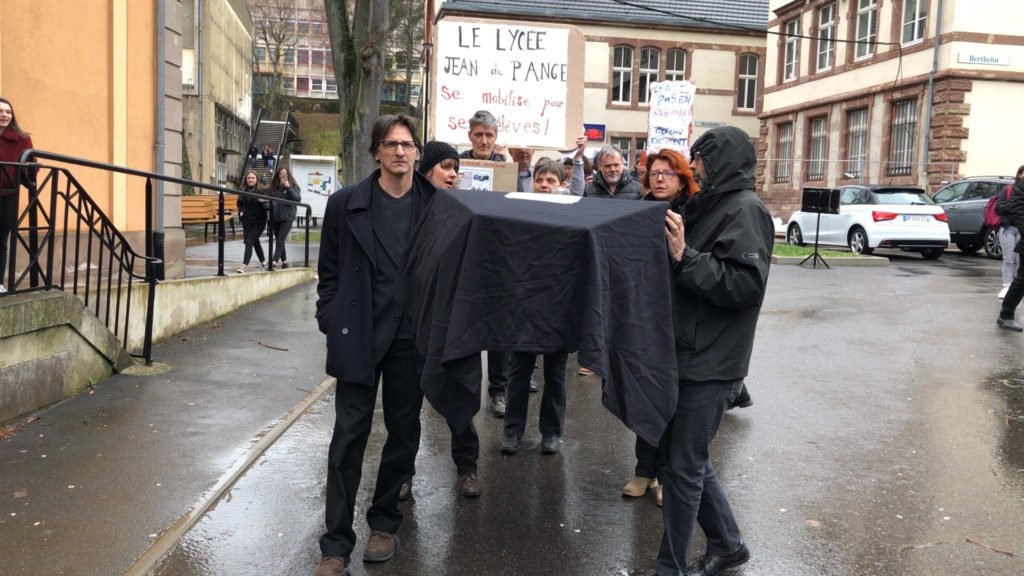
(347, 266)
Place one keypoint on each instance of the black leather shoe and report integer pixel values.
(510, 445)
(1009, 324)
(550, 445)
(741, 401)
(711, 565)
(498, 406)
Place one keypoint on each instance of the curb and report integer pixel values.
(174, 533)
(849, 261)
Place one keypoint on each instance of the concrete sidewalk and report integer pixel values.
(89, 483)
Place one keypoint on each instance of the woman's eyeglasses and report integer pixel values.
(666, 174)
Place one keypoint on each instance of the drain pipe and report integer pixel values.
(199, 89)
(931, 94)
(158, 148)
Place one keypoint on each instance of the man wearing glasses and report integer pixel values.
(365, 235)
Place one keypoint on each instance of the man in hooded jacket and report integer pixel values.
(720, 247)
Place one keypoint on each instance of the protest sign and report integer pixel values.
(518, 71)
(668, 122)
(487, 175)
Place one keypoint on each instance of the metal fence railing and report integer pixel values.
(68, 243)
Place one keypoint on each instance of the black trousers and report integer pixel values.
(693, 494)
(402, 400)
(8, 221)
(281, 230)
(497, 372)
(552, 402)
(465, 449)
(647, 459)
(252, 234)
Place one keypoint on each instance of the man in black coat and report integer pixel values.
(720, 259)
(365, 236)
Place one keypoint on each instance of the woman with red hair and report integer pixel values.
(669, 178)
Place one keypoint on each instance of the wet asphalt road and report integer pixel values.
(886, 437)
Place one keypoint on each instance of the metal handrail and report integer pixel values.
(252, 141)
(102, 295)
(30, 154)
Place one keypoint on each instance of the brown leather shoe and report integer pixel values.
(638, 486)
(405, 492)
(469, 486)
(332, 566)
(380, 546)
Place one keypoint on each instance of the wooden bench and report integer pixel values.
(203, 210)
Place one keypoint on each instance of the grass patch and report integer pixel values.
(802, 251)
(300, 238)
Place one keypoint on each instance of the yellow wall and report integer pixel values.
(57, 66)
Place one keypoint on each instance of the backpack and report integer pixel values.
(993, 220)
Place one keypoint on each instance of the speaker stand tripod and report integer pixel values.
(816, 260)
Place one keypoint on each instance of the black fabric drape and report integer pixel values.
(495, 273)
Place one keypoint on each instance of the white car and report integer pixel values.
(877, 216)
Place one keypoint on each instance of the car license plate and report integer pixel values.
(916, 218)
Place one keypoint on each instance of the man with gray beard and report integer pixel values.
(612, 179)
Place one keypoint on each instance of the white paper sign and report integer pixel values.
(518, 73)
(476, 178)
(668, 122)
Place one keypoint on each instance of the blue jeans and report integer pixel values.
(692, 493)
(1008, 238)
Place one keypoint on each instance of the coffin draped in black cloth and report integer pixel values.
(488, 272)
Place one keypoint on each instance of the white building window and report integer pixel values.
(316, 84)
(783, 152)
(791, 64)
(675, 67)
(746, 99)
(650, 66)
(902, 138)
(332, 85)
(915, 13)
(622, 75)
(856, 142)
(867, 28)
(817, 148)
(826, 37)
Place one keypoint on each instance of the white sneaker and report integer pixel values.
(241, 269)
(2, 289)
(1002, 293)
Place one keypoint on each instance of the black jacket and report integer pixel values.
(629, 188)
(251, 212)
(347, 265)
(720, 282)
(1012, 211)
(286, 212)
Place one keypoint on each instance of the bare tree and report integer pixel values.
(407, 41)
(275, 32)
(359, 31)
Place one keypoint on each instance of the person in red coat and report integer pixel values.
(13, 141)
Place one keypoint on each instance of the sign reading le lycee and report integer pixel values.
(517, 71)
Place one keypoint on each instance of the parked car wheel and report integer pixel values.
(993, 249)
(932, 253)
(858, 241)
(794, 236)
(968, 247)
